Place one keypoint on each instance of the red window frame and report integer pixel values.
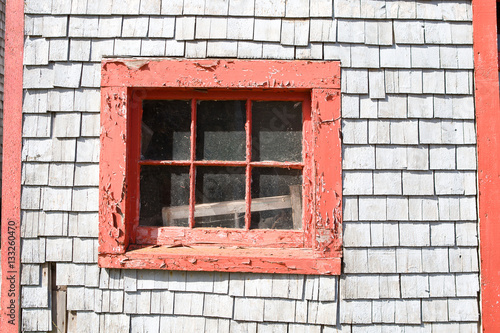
(123, 243)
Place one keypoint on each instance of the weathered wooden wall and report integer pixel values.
(409, 160)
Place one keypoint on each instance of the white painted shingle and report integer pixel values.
(356, 235)
(61, 100)
(357, 183)
(320, 8)
(58, 199)
(211, 27)
(397, 208)
(384, 234)
(418, 183)
(414, 286)
(99, 7)
(216, 7)
(83, 225)
(355, 131)
(241, 306)
(36, 51)
(153, 48)
(270, 8)
(378, 32)
(458, 82)
(355, 261)
(378, 131)
(52, 26)
(67, 75)
(355, 81)
(363, 56)
(409, 32)
(356, 312)
(83, 26)
(340, 52)
(312, 51)
(277, 51)
(414, 234)
(91, 75)
(185, 26)
(58, 249)
(435, 310)
(161, 27)
(38, 77)
(350, 31)
(126, 7)
(391, 157)
(241, 8)
(36, 125)
(434, 82)
(373, 9)
(295, 32)
(61, 174)
(126, 47)
(404, 132)
(171, 7)
(397, 56)
(100, 48)
(135, 26)
(240, 28)
(267, 30)
(347, 8)
(297, 8)
(425, 56)
(79, 50)
(437, 32)
(110, 26)
(463, 309)
(401, 9)
(323, 30)
(372, 208)
(151, 7)
(222, 48)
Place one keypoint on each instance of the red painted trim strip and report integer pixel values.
(220, 74)
(270, 260)
(488, 129)
(11, 178)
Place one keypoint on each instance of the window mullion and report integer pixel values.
(192, 168)
(248, 193)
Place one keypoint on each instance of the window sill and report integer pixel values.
(230, 259)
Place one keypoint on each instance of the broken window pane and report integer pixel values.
(220, 197)
(220, 131)
(166, 130)
(276, 198)
(277, 131)
(164, 196)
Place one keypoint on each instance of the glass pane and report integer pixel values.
(220, 197)
(164, 196)
(276, 198)
(277, 131)
(220, 131)
(166, 130)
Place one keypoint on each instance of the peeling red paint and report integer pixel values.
(315, 250)
(488, 126)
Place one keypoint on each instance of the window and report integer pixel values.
(221, 165)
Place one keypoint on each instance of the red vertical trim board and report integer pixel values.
(488, 145)
(11, 178)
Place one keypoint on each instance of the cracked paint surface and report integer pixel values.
(314, 250)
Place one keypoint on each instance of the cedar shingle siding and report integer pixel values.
(409, 163)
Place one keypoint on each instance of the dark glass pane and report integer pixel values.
(220, 197)
(166, 130)
(164, 196)
(220, 131)
(276, 198)
(277, 131)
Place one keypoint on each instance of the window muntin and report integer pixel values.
(243, 169)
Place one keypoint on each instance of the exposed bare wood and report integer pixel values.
(227, 207)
